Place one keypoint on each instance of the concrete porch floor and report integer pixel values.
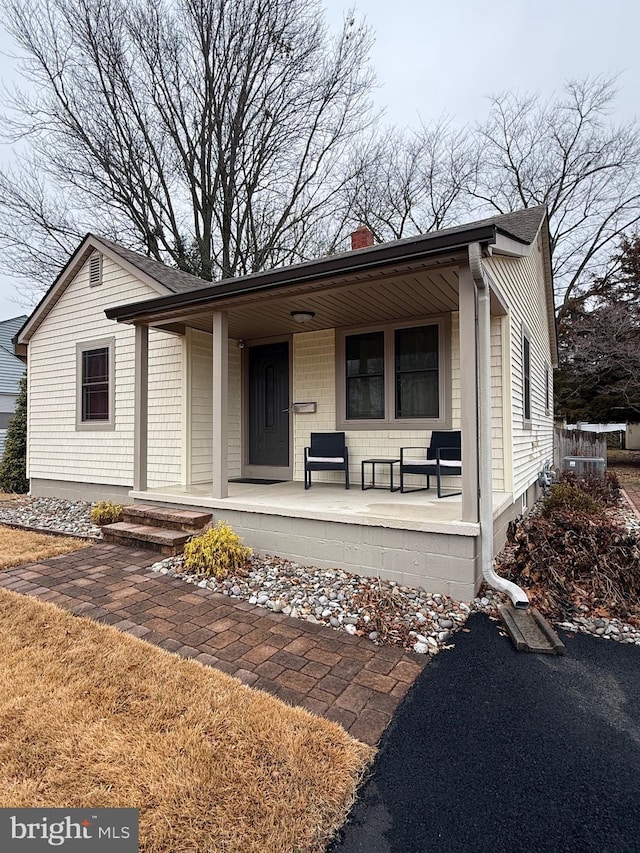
(421, 511)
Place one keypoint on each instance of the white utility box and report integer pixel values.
(585, 466)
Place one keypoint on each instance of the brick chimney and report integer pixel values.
(361, 238)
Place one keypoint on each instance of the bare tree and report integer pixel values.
(209, 133)
(599, 375)
(410, 182)
(568, 155)
(599, 342)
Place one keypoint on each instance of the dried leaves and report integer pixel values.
(573, 558)
(385, 611)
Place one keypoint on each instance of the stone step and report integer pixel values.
(173, 519)
(146, 536)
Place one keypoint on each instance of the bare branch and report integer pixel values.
(213, 134)
(411, 182)
(568, 155)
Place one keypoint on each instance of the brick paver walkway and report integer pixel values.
(344, 678)
(632, 490)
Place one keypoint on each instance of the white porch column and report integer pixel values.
(220, 476)
(141, 409)
(468, 394)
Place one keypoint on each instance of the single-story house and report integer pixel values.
(11, 371)
(148, 384)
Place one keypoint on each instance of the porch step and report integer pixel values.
(160, 539)
(171, 519)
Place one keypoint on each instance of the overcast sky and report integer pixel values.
(445, 58)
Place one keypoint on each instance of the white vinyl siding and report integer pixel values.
(56, 449)
(497, 431)
(165, 409)
(313, 381)
(521, 281)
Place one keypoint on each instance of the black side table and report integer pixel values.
(373, 463)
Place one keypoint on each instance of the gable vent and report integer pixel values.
(95, 270)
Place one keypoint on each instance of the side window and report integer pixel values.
(95, 372)
(547, 389)
(416, 372)
(526, 377)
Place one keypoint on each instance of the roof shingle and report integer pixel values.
(523, 225)
(172, 278)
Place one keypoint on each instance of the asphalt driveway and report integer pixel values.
(495, 750)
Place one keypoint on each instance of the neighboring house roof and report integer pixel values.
(11, 368)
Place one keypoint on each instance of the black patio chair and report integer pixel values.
(442, 458)
(327, 452)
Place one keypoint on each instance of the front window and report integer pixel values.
(95, 385)
(365, 376)
(394, 374)
(416, 368)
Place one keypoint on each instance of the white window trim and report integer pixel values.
(390, 421)
(95, 426)
(527, 423)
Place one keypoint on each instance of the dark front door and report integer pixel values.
(269, 405)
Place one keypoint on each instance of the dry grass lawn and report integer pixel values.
(25, 546)
(93, 717)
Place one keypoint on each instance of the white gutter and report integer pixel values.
(515, 593)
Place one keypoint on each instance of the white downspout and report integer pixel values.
(516, 594)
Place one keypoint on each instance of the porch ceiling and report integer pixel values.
(367, 298)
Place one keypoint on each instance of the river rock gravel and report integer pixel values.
(50, 514)
(383, 611)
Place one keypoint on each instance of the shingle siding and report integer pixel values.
(314, 379)
(201, 408)
(56, 450)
